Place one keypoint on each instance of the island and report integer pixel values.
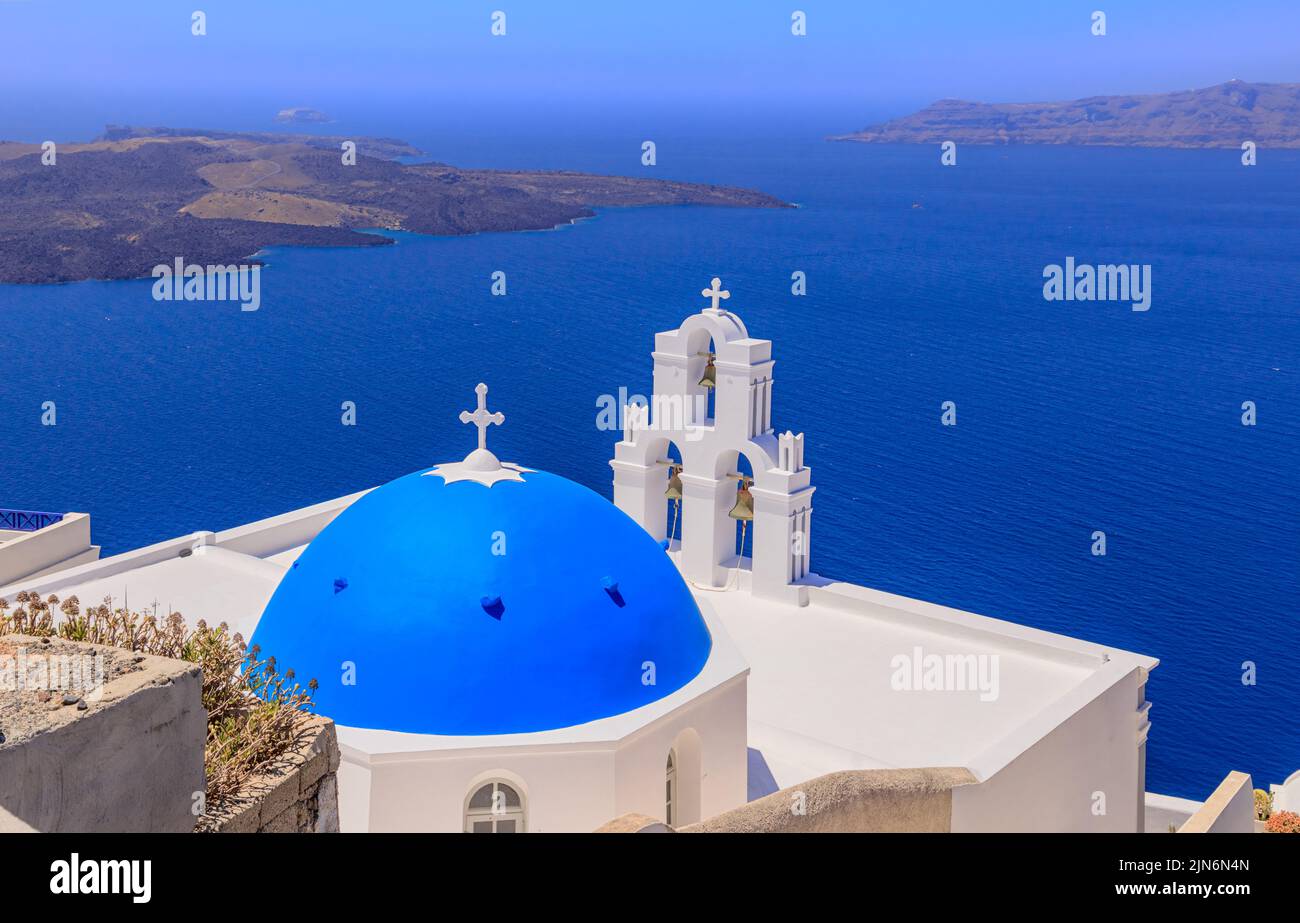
(301, 114)
(1225, 115)
(136, 198)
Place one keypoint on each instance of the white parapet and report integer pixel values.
(61, 544)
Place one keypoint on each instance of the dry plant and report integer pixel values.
(255, 714)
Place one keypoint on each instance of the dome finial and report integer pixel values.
(480, 465)
(481, 459)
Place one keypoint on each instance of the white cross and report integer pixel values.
(715, 292)
(481, 418)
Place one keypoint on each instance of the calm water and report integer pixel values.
(1071, 416)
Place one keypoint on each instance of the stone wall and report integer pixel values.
(634, 823)
(299, 794)
(97, 739)
(856, 801)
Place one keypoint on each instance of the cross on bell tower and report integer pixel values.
(716, 293)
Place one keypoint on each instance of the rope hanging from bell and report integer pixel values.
(674, 494)
(744, 512)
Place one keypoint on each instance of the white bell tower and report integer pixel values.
(709, 447)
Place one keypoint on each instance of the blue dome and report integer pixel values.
(448, 637)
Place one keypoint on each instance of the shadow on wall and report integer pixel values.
(761, 780)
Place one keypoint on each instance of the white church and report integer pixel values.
(506, 651)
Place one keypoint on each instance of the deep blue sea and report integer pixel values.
(1072, 416)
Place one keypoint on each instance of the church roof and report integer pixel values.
(448, 603)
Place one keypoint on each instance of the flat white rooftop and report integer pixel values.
(211, 583)
(823, 694)
(211, 576)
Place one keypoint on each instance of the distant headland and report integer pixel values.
(302, 114)
(136, 198)
(1219, 116)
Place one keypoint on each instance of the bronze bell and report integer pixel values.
(710, 379)
(674, 491)
(744, 508)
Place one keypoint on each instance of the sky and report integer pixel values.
(880, 57)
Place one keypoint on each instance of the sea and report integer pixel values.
(924, 285)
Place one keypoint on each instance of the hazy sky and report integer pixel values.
(880, 53)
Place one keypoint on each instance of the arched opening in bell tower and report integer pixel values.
(702, 377)
(740, 509)
(673, 493)
(709, 382)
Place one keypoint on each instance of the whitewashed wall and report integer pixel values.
(1051, 786)
(567, 787)
(711, 776)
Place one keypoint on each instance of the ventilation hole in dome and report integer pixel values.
(611, 587)
(493, 606)
(340, 584)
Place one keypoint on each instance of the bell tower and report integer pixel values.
(713, 352)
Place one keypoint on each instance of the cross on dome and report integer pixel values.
(716, 293)
(480, 465)
(480, 417)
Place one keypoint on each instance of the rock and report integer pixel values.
(71, 698)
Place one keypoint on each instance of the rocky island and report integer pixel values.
(136, 198)
(302, 114)
(1220, 116)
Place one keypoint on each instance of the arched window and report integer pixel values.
(495, 807)
(670, 789)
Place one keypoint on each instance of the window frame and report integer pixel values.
(518, 814)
